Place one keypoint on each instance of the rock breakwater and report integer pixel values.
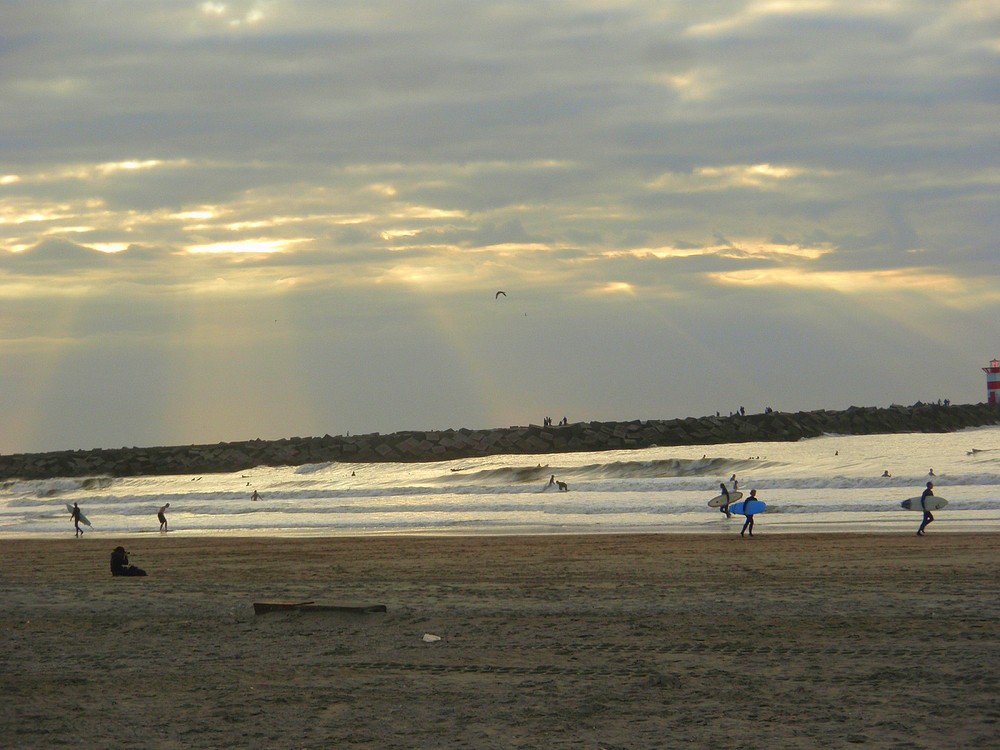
(441, 445)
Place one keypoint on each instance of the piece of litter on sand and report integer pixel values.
(431, 638)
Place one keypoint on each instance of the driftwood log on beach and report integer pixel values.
(437, 445)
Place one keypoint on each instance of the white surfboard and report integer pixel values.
(83, 519)
(719, 500)
(933, 503)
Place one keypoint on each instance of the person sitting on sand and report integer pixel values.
(928, 516)
(725, 508)
(120, 566)
(748, 524)
(160, 514)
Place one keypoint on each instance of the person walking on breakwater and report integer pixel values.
(748, 524)
(75, 515)
(161, 515)
(725, 508)
(928, 516)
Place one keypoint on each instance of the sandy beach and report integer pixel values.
(639, 641)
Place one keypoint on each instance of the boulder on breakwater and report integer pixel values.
(440, 445)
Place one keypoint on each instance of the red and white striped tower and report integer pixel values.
(993, 382)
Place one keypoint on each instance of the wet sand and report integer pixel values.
(637, 641)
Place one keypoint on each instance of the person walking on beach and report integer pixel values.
(725, 508)
(161, 515)
(75, 515)
(928, 516)
(748, 524)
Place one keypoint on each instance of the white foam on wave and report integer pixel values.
(827, 483)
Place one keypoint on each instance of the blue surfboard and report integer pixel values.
(748, 507)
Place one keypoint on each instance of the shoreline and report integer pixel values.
(610, 641)
(861, 528)
(685, 535)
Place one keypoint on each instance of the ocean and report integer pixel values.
(832, 483)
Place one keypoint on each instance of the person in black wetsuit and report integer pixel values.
(75, 515)
(928, 516)
(725, 508)
(748, 524)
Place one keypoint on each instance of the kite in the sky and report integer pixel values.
(497, 295)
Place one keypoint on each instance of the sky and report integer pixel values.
(222, 221)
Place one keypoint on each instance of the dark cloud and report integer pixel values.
(55, 255)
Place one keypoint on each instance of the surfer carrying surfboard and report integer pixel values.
(748, 524)
(725, 508)
(928, 516)
(76, 514)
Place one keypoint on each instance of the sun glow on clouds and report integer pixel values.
(847, 282)
(201, 215)
(691, 86)
(753, 174)
(382, 189)
(760, 176)
(395, 234)
(615, 287)
(425, 277)
(34, 216)
(213, 9)
(744, 249)
(109, 247)
(222, 11)
(427, 212)
(99, 171)
(761, 10)
(260, 245)
(127, 166)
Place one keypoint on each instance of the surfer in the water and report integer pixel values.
(748, 524)
(76, 519)
(161, 515)
(928, 516)
(725, 508)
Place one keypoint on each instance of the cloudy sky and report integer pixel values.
(228, 220)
